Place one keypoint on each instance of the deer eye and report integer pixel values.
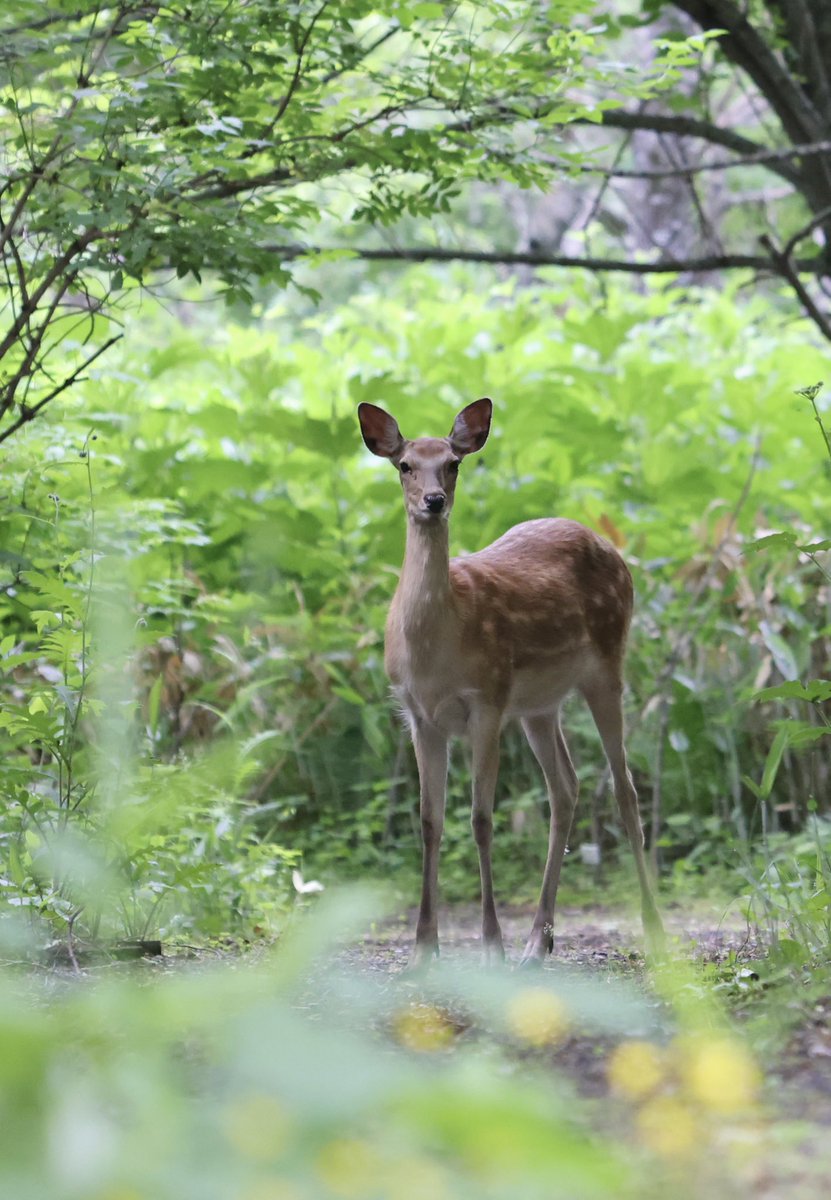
(404, 468)
(453, 467)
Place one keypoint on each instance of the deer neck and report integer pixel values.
(425, 603)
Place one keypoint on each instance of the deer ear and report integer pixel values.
(471, 427)
(380, 431)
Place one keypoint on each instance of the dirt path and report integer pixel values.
(583, 937)
(600, 943)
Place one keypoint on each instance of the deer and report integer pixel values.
(503, 633)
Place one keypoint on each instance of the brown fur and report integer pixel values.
(506, 632)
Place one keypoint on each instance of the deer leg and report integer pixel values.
(431, 756)
(485, 729)
(550, 750)
(604, 699)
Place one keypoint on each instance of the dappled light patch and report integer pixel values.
(667, 1127)
(538, 1017)
(636, 1069)
(424, 1027)
(258, 1127)
(719, 1074)
(689, 1095)
(349, 1167)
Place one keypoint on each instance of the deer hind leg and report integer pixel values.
(604, 698)
(485, 728)
(546, 739)
(431, 756)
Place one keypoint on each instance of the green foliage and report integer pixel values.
(258, 547)
(141, 145)
(789, 892)
(99, 837)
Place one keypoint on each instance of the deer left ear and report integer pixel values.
(471, 427)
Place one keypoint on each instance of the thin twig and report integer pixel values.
(786, 267)
(30, 412)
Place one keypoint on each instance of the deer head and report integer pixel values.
(427, 466)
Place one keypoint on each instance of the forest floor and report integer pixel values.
(786, 1015)
(789, 1021)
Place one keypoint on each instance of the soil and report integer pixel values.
(583, 937)
(598, 942)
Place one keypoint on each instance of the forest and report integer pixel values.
(225, 226)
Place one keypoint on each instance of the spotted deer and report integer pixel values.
(506, 632)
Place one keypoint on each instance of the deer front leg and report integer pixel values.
(431, 756)
(484, 731)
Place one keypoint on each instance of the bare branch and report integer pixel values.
(759, 158)
(803, 35)
(55, 273)
(51, 18)
(298, 66)
(692, 266)
(28, 413)
(816, 221)
(745, 46)
(682, 126)
(789, 269)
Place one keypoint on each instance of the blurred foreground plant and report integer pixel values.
(278, 1080)
(100, 841)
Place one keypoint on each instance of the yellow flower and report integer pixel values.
(350, 1167)
(635, 1069)
(666, 1126)
(423, 1027)
(257, 1126)
(538, 1017)
(719, 1074)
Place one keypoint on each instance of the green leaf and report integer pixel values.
(774, 758)
(153, 704)
(816, 691)
(780, 651)
(792, 952)
(785, 538)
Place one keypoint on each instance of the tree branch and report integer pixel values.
(788, 268)
(52, 276)
(27, 414)
(759, 158)
(683, 126)
(816, 221)
(803, 36)
(700, 265)
(744, 45)
(51, 18)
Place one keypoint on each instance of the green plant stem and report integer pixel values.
(822, 428)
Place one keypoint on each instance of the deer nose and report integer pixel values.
(435, 501)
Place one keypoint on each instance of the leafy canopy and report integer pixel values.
(143, 141)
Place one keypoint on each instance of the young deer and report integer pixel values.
(506, 632)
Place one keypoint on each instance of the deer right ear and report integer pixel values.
(380, 431)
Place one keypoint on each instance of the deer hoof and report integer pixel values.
(422, 958)
(493, 955)
(530, 963)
